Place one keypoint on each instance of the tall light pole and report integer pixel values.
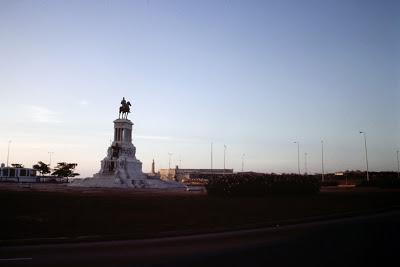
(243, 161)
(50, 153)
(398, 165)
(169, 165)
(211, 156)
(366, 152)
(8, 151)
(169, 161)
(298, 156)
(224, 156)
(322, 159)
(305, 162)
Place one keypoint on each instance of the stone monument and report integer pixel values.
(120, 167)
(121, 162)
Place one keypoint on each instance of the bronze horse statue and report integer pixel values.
(124, 110)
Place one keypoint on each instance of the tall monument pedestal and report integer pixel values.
(121, 163)
(120, 167)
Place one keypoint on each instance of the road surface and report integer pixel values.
(372, 240)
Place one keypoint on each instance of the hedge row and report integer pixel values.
(257, 184)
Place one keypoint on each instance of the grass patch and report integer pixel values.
(38, 214)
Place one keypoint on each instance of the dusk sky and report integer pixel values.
(254, 75)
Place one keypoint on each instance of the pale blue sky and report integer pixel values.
(254, 75)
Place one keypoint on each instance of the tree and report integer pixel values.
(17, 165)
(64, 169)
(42, 167)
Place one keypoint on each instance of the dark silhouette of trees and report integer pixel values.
(64, 169)
(259, 184)
(42, 168)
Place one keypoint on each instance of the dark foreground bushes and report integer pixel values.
(330, 183)
(257, 184)
(382, 182)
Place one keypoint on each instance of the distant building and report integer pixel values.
(26, 175)
(23, 175)
(179, 174)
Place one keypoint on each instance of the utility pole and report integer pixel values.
(366, 152)
(298, 156)
(322, 159)
(8, 151)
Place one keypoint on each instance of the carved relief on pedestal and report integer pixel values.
(121, 159)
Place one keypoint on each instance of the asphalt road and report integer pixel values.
(372, 240)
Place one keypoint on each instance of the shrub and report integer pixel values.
(258, 184)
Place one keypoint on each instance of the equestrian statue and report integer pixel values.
(124, 109)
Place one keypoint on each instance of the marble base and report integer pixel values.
(112, 182)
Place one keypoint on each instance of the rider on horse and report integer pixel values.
(124, 109)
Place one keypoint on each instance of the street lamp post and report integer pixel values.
(298, 156)
(169, 165)
(211, 156)
(305, 163)
(8, 151)
(398, 165)
(366, 152)
(322, 159)
(50, 153)
(243, 161)
(224, 156)
(169, 161)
